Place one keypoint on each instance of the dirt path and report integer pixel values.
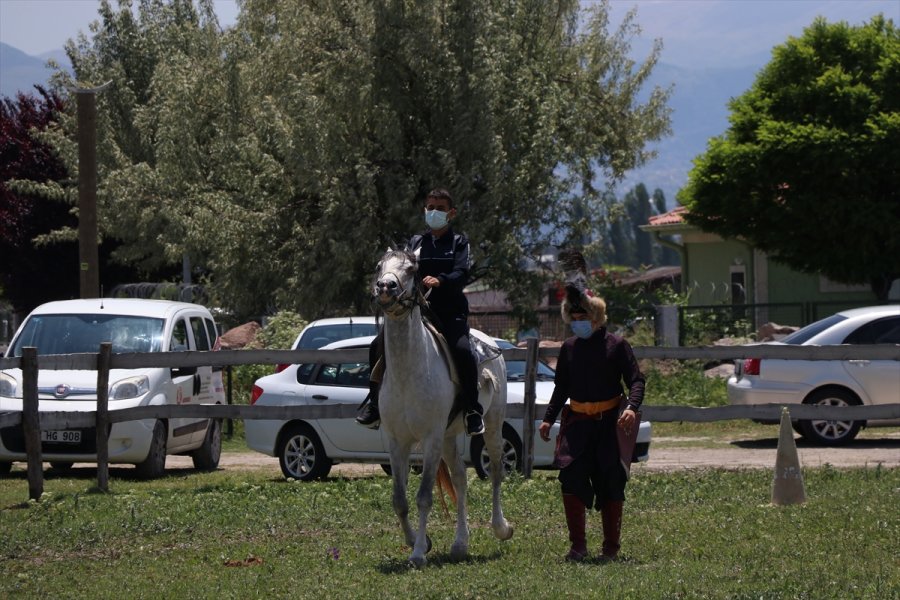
(666, 454)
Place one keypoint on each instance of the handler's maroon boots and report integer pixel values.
(612, 528)
(575, 520)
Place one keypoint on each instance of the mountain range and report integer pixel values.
(20, 71)
(699, 106)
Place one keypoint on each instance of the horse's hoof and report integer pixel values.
(417, 561)
(504, 533)
(459, 552)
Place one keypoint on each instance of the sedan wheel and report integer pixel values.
(301, 454)
(831, 432)
(510, 454)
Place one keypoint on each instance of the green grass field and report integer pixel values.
(692, 534)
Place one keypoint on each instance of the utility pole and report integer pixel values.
(88, 243)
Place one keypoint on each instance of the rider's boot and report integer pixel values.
(467, 367)
(368, 415)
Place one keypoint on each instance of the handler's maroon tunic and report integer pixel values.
(593, 370)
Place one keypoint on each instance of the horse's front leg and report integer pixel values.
(460, 548)
(431, 457)
(400, 473)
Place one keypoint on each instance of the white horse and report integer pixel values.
(415, 401)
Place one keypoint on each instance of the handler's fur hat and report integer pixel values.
(578, 298)
(577, 301)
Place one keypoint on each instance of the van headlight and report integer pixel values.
(7, 386)
(130, 387)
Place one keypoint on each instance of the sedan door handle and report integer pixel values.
(858, 362)
(319, 397)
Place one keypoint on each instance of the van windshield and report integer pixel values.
(72, 334)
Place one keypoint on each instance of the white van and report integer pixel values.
(131, 325)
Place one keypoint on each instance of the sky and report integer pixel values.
(695, 33)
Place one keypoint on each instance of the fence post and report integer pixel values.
(229, 425)
(102, 417)
(667, 325)
(31, 423)
(528, 421)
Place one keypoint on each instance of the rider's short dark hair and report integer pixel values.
(440, 194)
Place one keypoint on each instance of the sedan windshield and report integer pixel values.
(71, 334)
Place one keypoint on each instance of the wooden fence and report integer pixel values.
(33, 421)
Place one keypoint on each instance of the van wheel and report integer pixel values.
(510, 453)
(155, 464)
(301, 454)
(206, 457)
(833, 432)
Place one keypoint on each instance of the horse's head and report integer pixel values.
(396, 287)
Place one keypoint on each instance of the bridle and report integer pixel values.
(407, 298)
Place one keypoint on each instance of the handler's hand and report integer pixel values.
(431, 282)
(626, 420)
(544, 430)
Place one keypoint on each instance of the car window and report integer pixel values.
(71, 334)
(803, 335)
(200, 336)
(882, 331)
(327, 375)
(349, 374)
(515, 371)
(314, 338)
(304, 372)
(211, 331)
(179, 340)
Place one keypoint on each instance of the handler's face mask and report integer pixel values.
(582, 329)
(436, 219)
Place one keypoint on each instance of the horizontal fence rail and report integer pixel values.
(221, 358)
(662, 414)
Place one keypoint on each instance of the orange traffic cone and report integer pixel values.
(787, 485)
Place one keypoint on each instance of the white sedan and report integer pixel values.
(827, 382)
(307, 448)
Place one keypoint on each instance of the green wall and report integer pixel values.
(709, 271)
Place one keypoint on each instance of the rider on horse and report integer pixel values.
(444, 268)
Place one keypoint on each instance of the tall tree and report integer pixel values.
(286, 153)
(639, 210)
(807, 170)
(32, 273)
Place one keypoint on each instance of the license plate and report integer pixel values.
(61, 436)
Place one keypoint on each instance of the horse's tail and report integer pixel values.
(445, 485)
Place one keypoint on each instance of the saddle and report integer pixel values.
(484, 352)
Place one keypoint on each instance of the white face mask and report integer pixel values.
(436, 219)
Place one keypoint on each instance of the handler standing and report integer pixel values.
(591, 368)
